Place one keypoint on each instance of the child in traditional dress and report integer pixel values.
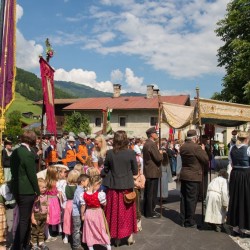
(217, 201)
(139, 182)
(83, 182)
(39, 217)
(68, 193)
(60, 185)
(5, 194)
(54, 213)
(95, 230)
(165, 177)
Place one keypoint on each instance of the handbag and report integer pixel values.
(129, 197)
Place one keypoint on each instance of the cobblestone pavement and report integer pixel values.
(166, 233)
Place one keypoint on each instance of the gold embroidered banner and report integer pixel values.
(224, 110)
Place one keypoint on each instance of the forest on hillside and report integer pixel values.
(30, 86)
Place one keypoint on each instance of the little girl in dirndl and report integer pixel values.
(95, 227)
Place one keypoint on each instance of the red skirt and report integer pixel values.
(121, 217)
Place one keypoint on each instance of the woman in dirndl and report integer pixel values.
(239, 185)
(120, 166)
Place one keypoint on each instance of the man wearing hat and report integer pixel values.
(152, 158)
(69, 153)
(61, 144)
(81, 149)
(194, 159)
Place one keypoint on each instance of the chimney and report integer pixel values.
(117, 90)
(150, 91)
(155, 92)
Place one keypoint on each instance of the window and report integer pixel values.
(98, 121)
(153, 120)
(122, 121)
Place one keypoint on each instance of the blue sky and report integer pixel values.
(168, 43)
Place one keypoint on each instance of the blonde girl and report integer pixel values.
(60, 185)
(88, 164)
(79, 168)
(99, 152)
(54, 213)
(95, 230)
(69, 191)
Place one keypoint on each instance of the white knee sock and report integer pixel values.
(108, 247)
(90, 248)
(47, 234)
(60, 228)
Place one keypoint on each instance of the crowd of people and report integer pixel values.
(88, 189)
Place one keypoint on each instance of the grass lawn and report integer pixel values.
(24, 105)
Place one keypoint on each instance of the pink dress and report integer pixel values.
(54, 207)
(95, 229)
(67, 218)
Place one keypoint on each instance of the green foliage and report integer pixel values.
(14, 126)
(30, 86)
(234, 55)
(77, 122)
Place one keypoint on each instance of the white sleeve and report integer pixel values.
(224, 193)
(81, 199)
(248, 151)
(102, 197)
(5, 192)
(94, 157)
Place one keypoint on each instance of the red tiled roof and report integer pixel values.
(125, 102)
(60, 101)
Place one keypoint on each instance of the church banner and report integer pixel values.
(47, 75)
(7, 53)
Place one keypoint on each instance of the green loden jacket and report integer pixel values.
(23, 170)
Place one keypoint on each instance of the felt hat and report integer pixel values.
(72, 134)
(82, 135)
(191, 133)
(71, 138)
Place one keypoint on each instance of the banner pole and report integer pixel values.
(159, 123)
(202, 168)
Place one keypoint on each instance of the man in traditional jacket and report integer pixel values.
(194, 158)
(152, 158)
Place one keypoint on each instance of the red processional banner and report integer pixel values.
(47, 75)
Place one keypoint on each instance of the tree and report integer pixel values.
(77, 122)
(234, 55)
(14, 126)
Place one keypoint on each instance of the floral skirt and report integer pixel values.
(121, 217)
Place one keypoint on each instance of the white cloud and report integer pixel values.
(135, 83)
(116, 76)
(19, 12)
(27, 51)
(174, 36)
(84, 77)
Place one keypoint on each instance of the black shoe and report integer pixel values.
(154, 216)
(191, 226)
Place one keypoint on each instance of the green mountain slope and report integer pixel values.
(23, 105)
(79, 90)
(30, 86)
